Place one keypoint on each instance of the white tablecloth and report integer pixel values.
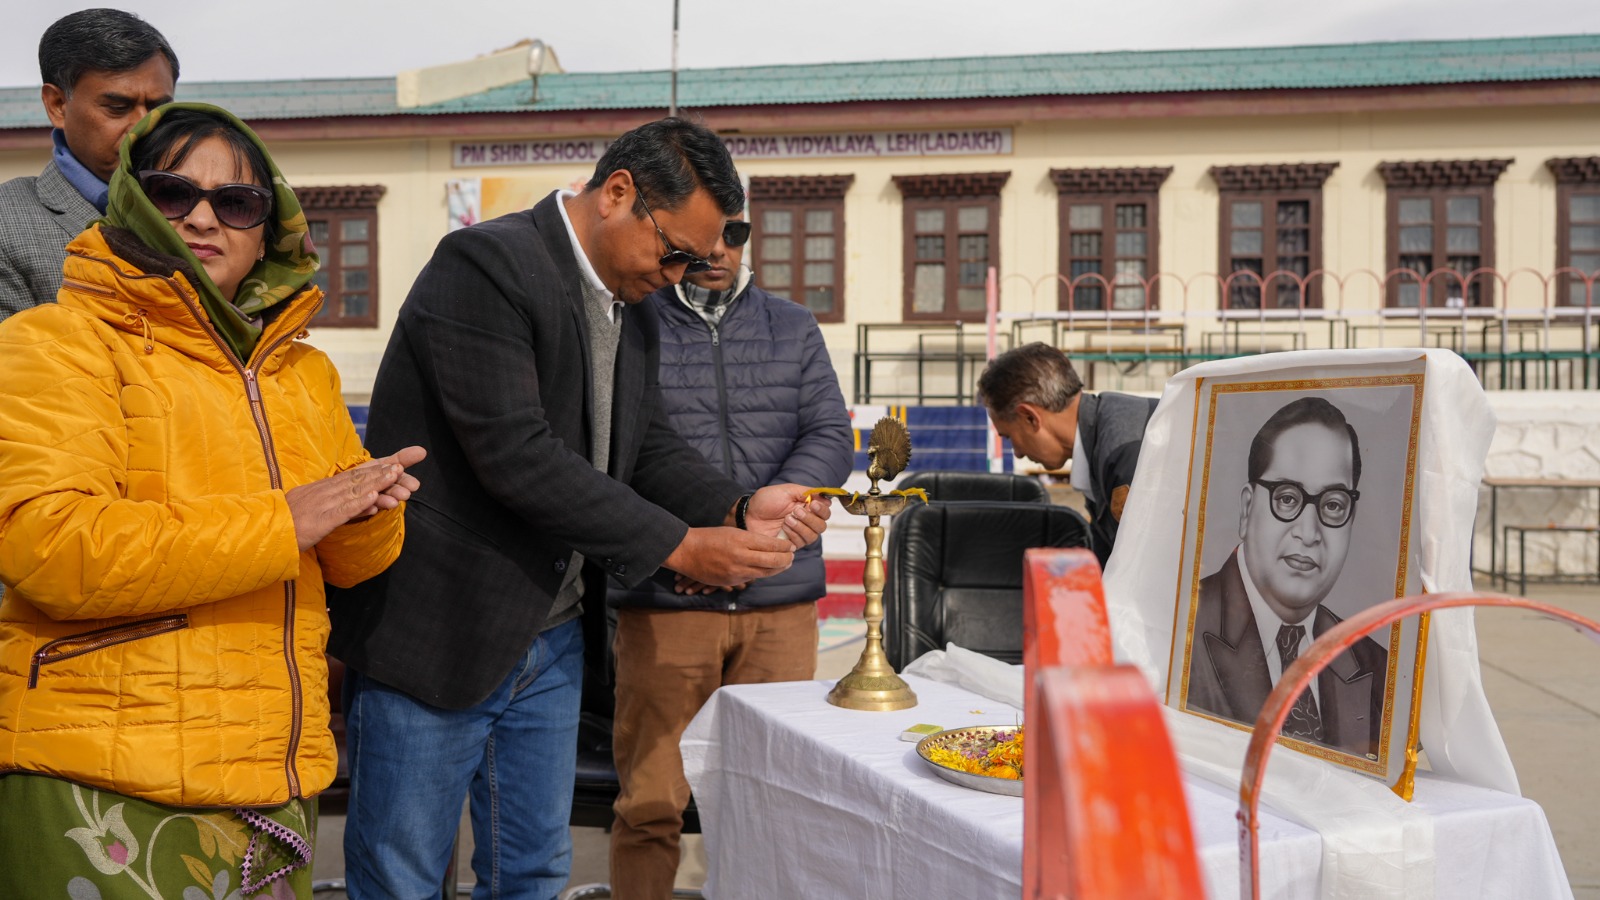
(801, 799)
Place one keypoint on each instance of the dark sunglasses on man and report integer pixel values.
(735, 234)
(673, 257)
(240, 206)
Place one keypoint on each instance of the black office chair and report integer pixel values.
(955, 574)
(946, 487)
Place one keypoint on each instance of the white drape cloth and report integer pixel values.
(1373, 844)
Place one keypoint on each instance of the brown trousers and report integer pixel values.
(669, 662)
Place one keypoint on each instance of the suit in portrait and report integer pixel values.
(39, 216)
(1229, 676)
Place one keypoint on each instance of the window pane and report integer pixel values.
(777, 221)
(1130, 271)
(819, 273)
(973, 274)
(1586, 262)
(1293, 241)
(1130, 243)
(353, 255)
(1462, 239)
(1299, 265)
(775, 275)
(1086, 245)
(355, 306)
(1085, 217)
(1084, 267)
(929, 220)
(972, 300)
(930, 248)
(819, 248)
(819, 300)
(1409, 294)
(1088, 296)
(1130, 215)
(1577, 295)
(972, 218)
(927, 289)
(353, 230)
(1288, 294)
(974, 247)
(1416, 239)
(354, 279)
(1586, 237)
(1463, 210)
(1128, 298)
(1244, 292)
(1294, 212)
(1586, 207)
(1247, 215)
(1246, 243)
(321, 280)
(819, 220)
(1416, 210)
(777, 248)
(319, 233)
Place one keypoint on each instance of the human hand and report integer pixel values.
(321, 506)
(686, 585)
(783, 511)
(722, 557)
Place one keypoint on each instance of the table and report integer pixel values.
(1496, 484)
(800, 799)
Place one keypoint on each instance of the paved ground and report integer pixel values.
(1541, 679)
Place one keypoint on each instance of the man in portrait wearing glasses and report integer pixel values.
(746, 379)
(525, 360)
(103, 69)
(1263, 608)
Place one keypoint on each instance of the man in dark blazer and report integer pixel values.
(525, 363)
(1252, 614)
(1036, 400)
(103, 69)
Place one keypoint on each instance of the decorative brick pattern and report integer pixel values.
(1574, 169)
(1443, 173)
(790, 188)
(1110, 181)
(1270, 178)
(961, 184)
(359, 196)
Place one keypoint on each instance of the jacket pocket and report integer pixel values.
(90, 641)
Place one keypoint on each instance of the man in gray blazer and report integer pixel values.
(103, 69)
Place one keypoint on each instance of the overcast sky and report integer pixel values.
(227, 40)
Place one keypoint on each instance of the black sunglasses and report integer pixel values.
(673, 257)
(735, 234)
(238, 206)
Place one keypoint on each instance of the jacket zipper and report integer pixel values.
(258, 412)
(722, 401)
(88, 288)
(90, 641)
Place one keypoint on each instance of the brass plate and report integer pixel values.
(972, 738)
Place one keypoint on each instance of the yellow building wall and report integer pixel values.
(412, 215)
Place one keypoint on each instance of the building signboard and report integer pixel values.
(586, 151)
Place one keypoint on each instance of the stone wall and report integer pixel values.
(1544, 434)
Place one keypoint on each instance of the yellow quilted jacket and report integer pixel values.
(161, 635)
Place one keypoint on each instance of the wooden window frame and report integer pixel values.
(1271, 185)
(1108, 188)
(946, 192)
(799, 194)
(336, 205)
(1439, 181)
(1574, 175)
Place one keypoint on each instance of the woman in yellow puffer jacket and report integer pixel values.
(178, 477)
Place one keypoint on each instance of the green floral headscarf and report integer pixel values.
(289, 263)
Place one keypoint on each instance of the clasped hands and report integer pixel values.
(376, 485)
(780, 519)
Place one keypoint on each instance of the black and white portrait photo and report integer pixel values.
(1300, 503)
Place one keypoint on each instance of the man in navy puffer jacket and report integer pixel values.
(746, 379)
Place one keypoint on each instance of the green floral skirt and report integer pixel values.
(62, 840)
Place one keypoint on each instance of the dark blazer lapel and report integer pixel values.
(1088, 421)
(553, 231)
(1236, 654)
(1346, 688)
(628, 386)
(66, 205)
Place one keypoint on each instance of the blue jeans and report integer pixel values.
(412, 765)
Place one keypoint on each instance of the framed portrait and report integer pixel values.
(1298, 514)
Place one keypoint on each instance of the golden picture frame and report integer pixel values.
(1298, 513)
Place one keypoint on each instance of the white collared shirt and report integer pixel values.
(600, 289)
(1080, 466)
(1268, 623)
